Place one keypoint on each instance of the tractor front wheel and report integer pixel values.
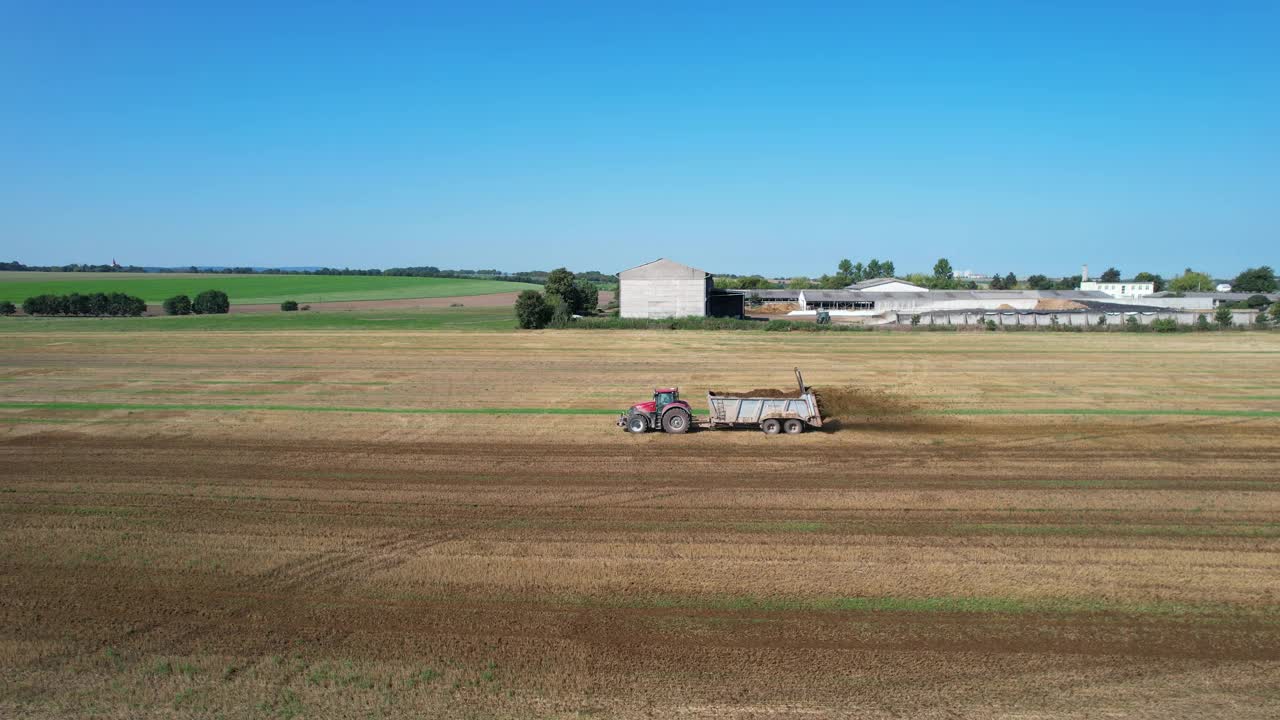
(676, 421)
(637, 424)
(771, 426)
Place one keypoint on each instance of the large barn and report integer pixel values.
(666, 289)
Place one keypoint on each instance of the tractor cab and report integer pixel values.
(662, 397)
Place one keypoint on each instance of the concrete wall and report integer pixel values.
(1089, 317)
(663, 289)
(1185, 303)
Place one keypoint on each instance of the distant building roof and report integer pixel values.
(876, 282)
(668, 263)
(850, 295)
(1230, 296)
(770, 294)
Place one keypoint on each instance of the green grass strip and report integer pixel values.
(305, 408)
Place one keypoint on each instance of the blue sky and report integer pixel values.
(737, 137)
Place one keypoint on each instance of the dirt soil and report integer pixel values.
(211, 535)
(491, 300)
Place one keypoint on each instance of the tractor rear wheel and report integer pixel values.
(676, 421)
(637, 423)
(793, 427)
(771, 426)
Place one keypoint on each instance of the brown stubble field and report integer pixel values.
(244, 524)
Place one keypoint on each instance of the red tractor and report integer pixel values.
(666, 411)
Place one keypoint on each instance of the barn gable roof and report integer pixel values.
(664, 263)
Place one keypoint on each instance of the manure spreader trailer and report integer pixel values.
(791, 414)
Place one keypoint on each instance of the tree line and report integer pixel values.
(209, 302)
(93, 304)
(564, 295)
(1252, 280)
(16, 266)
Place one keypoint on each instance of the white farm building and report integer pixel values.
(1126, 289)
(666, 289)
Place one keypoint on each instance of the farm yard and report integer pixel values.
(386, 522)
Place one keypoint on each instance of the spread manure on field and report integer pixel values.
(848, 402)
(845, 402)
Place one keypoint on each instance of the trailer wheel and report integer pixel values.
(793, 427)
(637, 424)
(771, 426)
(675, 421)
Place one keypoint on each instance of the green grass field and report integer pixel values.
(248, 289)
(465, 318)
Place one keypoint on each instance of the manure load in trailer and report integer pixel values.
(754, 410)
(770, 410)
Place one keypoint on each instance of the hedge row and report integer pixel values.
(94, 304)
(209, 302)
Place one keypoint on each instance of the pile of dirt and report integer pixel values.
(837, 403)
(758, 392)
(848, 402)
(773, 309)
(1005, 306)
(1059, 304)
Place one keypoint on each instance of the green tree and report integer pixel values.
(211, 302)
(799, 283)
(1191, 281)
(1222, 316)
(1111, 275)
(1261, 320)
(1157, 282)
(7, 307)
(1067, 283)
(1275, 312)
(1255, 280)
(177, 305)
(844, 270)
(532, 310)
(1039, 282)
(1202, 322)
(887, 268)
(1011, 282)
(942, 270)
(289, 306)
(588, 297)
(122, 305)
(1256, 302)
(919, 279)
(563, 284)
(99, 304)
(561, 313)
(874, 270)
(997, 282)
(77, 304)
(859, 272)
(753, 282)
